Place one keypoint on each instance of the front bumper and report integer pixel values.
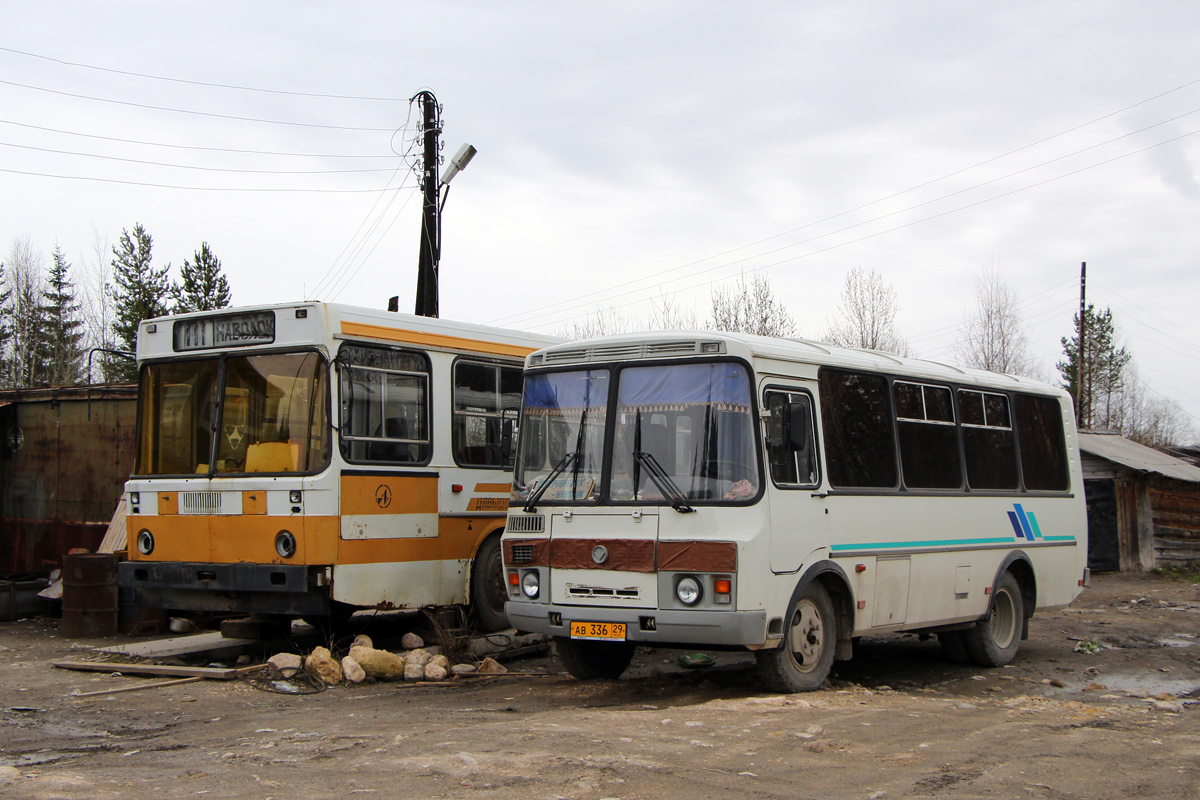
(670, 627)
(239, 588)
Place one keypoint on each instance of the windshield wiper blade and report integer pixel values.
(531, 504)
(660, 478)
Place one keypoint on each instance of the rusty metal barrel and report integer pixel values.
(89, 601)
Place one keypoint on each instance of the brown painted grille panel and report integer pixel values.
(697, 556)
(527, 552)
(624, 555)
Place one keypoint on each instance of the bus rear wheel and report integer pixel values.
(594, 660)
(488, 589)
(995, 639)
(803, 661)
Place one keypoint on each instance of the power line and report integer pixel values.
(195, 113)
(189, 166)
(200, 83)
(185, 188)
(898, 194)
(191, 147)
(888, 230)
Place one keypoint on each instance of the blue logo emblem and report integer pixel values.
(1024, 523)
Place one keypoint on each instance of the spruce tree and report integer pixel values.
(139, 292)
(1103, 369)
(61, 346)
(203, 287)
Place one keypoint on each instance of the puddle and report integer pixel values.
(1179, 640)
(1150, 683)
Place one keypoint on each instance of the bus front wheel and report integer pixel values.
(995, 639)
(488, 590)
(594, 660)
(803, 661)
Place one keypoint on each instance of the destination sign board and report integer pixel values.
(231, 330)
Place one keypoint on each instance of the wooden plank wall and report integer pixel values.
(1176, 520)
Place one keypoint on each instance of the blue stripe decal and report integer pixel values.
(1012, 517)
(936, 543)
(929, 543)
(1024, 521)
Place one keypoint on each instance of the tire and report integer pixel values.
(594, 660)
(803, 662)
(995, 639)
(954, 647)
(488, 589)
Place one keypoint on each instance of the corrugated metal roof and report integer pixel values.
(1116, 448)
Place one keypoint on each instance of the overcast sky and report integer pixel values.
(630, 152)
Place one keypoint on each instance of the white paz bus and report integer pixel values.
(783, 496)
(311, 459)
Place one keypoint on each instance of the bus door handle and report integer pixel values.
(821, 495)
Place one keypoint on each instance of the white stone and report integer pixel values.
(414, 672)
(352, 671)
(411, 641)
(420, 657)
(435, 672)
(285, 664)
(362, 640)
(464, 669)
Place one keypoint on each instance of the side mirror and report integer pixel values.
(795, 425)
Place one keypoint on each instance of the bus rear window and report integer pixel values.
(1043, 448)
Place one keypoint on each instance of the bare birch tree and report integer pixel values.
(24, 276)
(866, 317)
(992, 336)
(750, 306)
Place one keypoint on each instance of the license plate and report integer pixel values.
(603, 631)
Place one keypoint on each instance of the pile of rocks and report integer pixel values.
(364, 661)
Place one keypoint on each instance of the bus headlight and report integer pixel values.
(285, 544)
(145, 542)
(688, 591)
(530, 584)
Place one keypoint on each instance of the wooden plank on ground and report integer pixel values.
(114, 537)
(212, 643)
(217, 673)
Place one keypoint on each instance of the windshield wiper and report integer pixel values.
(660, 478)
(531, 505)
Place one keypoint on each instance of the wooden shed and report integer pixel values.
(1143, 505)
(65, 453)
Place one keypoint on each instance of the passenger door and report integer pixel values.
(798, 517)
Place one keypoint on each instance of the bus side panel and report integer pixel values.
(389, 506)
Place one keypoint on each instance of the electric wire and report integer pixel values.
(199, 83)
(195, 167)
(211, 114)
(868, 236)
(192, 147)
(188, 188)
(910, 189)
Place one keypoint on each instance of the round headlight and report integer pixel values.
(145, 542)
(285, 544)
(688, 591)
(529, 584)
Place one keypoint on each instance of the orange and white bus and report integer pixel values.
(312, 459)
(785, 497)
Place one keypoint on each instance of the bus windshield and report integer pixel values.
(272, 415)
(681, 433)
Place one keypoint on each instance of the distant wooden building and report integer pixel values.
(1143, 505)
(65, 453)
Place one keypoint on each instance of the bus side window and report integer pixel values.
(791, 448)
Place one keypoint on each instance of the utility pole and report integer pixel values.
(1082, 404)
(427, 265)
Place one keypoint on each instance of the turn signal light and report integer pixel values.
(514, 580)
(723, 586)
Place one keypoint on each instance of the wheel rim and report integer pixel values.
(495, 591)
(806, 635)
(1003, 621)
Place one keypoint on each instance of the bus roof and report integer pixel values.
(681, 344)
(316, 323)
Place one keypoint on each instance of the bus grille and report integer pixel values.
(534, 523)
(210, 502)
(522, 553)
(602, 591)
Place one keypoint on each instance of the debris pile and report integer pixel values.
(416, 663)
